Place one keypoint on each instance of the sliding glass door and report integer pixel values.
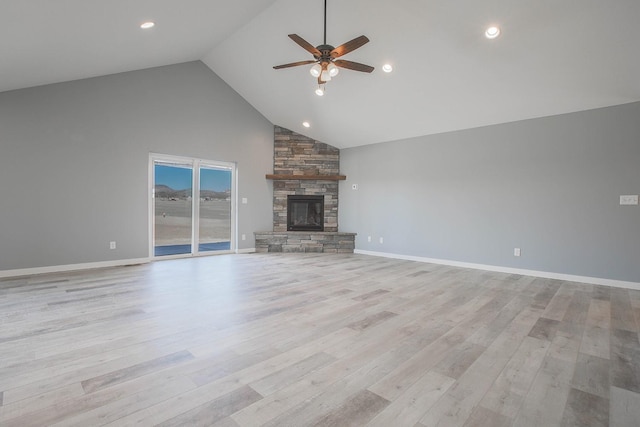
(192, 206)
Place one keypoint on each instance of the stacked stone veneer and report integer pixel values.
(304, 241)
(296, 155)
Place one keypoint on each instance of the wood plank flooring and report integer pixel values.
(315, 340)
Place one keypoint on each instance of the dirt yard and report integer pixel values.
(173, 221)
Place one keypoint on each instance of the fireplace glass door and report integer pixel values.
(305, 213)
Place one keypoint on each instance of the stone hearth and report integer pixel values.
(300, 241)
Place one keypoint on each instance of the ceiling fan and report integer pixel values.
(325, 57)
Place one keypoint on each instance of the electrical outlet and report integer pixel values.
(516, 251)
(629, 199)
(245, 201)
(112, 245)
(381, 240)
(244, 237)
(369, 239)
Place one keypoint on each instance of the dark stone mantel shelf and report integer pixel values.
(307, 177)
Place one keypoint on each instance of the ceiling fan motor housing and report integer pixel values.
(325, 50)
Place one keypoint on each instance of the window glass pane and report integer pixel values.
(173, 209)
(215, 209)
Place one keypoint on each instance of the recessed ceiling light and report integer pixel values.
(492, 32)
(387, 68)
(306, 124)
(147, 25)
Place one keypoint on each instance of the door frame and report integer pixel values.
(195, 163)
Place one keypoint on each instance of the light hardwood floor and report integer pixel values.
(315, 340)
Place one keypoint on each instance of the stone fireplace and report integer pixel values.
(304, 169)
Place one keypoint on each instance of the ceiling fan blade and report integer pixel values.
(305, 44)
(294, 64)
(349, 46)
(356, 66)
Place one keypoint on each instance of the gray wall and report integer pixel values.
(549, 186)
(74, 160)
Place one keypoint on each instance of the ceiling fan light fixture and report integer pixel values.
(147, 25)
(316, 70)
(333, 70)
(387, 68)
(325, 76)
(320, 91)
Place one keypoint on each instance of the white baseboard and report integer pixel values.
(534, 273)
(246, 251)
(499, 269)
(71, 267)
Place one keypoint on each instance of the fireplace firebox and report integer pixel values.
(305, 213)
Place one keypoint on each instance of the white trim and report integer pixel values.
(534, 273)
(151, 194)
(246, 251)
(195, 208)
(72, 267)
(235, 218)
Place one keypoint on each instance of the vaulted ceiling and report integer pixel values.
(552, 57)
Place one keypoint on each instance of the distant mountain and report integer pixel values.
(166, 192)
